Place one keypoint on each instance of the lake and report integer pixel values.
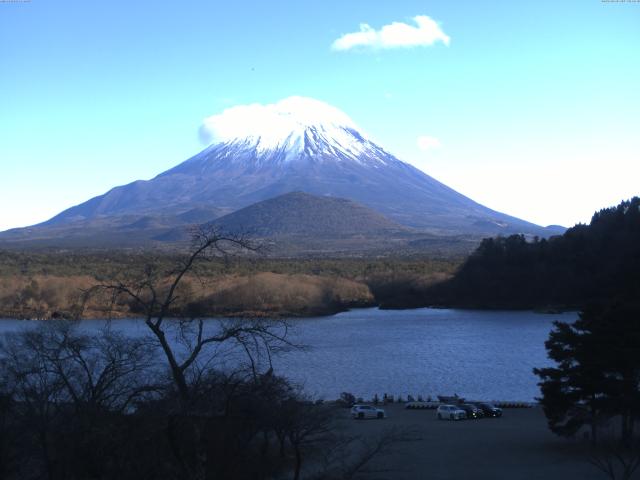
(476, 354)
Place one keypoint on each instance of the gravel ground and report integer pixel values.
(516, 446)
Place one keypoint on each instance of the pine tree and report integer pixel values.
(597, 376)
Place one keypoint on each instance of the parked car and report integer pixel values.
(489, 410)
(450, 412)
(367, 411)
(471, 410)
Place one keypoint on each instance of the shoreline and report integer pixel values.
(285, 315)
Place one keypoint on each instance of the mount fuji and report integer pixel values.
(259, 152)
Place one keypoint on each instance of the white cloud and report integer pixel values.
(271, 123)
(425, 143)
(395, 35)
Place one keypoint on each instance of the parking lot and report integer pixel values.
(516, 446)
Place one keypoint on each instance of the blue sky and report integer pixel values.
(534, 106)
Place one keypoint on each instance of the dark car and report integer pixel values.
(472, 410)
(489, 410)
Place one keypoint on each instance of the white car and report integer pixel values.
(450, 412)
(366, 411)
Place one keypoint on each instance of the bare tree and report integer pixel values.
(306, 424)
(615, 459)
(347, 457)
(8, 448)
(39, 393)
(106, 372)
(156, 293)
(69, 385)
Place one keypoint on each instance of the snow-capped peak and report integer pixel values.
(294, 124)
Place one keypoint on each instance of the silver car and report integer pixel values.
(366, 411)
(450, 412)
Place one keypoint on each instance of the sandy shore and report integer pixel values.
(516, 446)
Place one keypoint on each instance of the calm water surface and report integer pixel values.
(476, 354)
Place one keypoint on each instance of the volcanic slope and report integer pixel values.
(302, 145)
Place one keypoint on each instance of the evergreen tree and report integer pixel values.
(597, 375)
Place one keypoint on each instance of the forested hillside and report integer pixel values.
(587, 263)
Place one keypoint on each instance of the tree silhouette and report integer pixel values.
(598, 372)
(599, 261)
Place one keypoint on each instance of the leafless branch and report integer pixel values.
(156, 303)
(616, 460)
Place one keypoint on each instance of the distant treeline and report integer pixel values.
(50, 285)
(108, 263)
(587, 264)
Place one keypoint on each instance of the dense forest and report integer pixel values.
(587, 264)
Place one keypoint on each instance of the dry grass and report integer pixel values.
(41, 296)
(286, 294)
(265, 293)
(46, 285)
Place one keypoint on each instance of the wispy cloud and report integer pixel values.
(425, 33)
(425, 143)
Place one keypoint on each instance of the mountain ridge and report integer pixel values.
(302, 145)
